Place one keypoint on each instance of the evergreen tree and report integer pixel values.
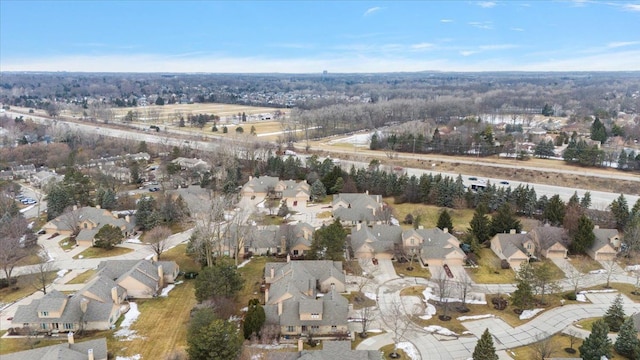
(209, 338)
(108, 236)
(522, 297)
(146, 217)
(444, 221)
(58, 199)
(584, 236)
(484, 349)
(218, 281)
(574, 199)
(627, 343)
(479, 225)
(586, 200)
(598, 131)
(554, 211)
(254, 319)
(620, 210)
(160, 101)
(328, 242)
(547, 110)
(318, 191)
(614, 317)
(504, 221)
(597, 344)
(622, 160)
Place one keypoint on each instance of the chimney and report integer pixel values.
(70, 339)
(279, 308)
(283, 243)
(512, 231)
(90, 354)
(300, 345)
(596, 227)
(114, 295)
(250, 177)
(75, 207)
(160, 275)
(154, 258)
(273, 272)
(366, 192)
(266, 294)
(358, 226)
(127, 218)
(83, 305)
(445, 230)
(98, 207)
(288, 257)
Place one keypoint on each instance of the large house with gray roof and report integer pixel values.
(89, 220)
(331, 350)
(87, 350)
(99, 304)
(303, 298)
(606, 244)
(431, 246)
(356, 208)
(292, 239)
(516, 249)
(294, 193)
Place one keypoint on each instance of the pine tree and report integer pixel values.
(597, 344)
(614, 317)
(479, 225)
(627, 343)
(505, 221)
(254, 319)
(554, 211)
(444, 221)
(484, 349)
(318, 191)
(598, 131)
(586, 200)
(522, 297)
(620, 209)
(584, 236)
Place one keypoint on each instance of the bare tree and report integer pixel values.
(240, 230)
(611, 268)
(543, 347)
(208, 238)
(11, 248)
(573, 337)
(398, 320)
(71, 219)
(574, 277)
(464, 286)
(367, 315)
(44, 274)
(157, 239)
(444, 290)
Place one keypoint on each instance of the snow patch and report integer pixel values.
(27, 209)
(581, 297)
(244, 309)
(371, 296)
(439, 330)
(129, 318)
(632, 268)
(134, 357)
(242, 264)
(599, 271)
(597, 291)
(528, 314)
(135, 240)
(409, 349)
(476, 317)
(430, 310)
(375, 330)
(62, 272)
(165, 291)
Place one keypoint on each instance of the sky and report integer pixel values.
(314, 36)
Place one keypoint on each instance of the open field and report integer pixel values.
(26, 285)
(94, 252)
(430, 213)
(83, 278)
(489, 271)
(167, 112)
(252, 274)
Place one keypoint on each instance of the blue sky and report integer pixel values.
(308, 37)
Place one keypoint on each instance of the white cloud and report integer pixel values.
(631, 7)
(446, 20)
(516, 29)
(617, 44)
(468, 52)
(422, 46)
(486, 4)
(497, 47)
(372, 10)
(485, 25)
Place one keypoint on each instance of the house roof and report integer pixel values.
(511, 243)
(331, 350)
(100, 217)
(298, 278)
(335, 308)
(144, 271)
(76, 351)
(547, 236)
(381, 238)
(53, 301)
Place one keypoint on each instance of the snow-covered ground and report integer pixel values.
(356, 139)
(430, 310)
(528, 314)
(371, 296)
(134, 357)
(242, 264)
(581, 297)
(129, 318)
(597, 291)
(165, 291)
(409, 349)
(476, 317)
(439, 330)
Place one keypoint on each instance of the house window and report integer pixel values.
(295, 252)
(315, 327)
(43, 326)
(44, 313)
(413, 241)
(304, 328)
(334, 328)
(290, 329)
(68, 326)
(315, 315)
(529, 246)
(85, 225)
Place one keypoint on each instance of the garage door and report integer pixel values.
(556, 254)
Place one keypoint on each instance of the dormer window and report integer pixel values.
(315, 316)
(44, 313)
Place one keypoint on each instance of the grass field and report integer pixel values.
(252, 274)
(558, 343)
(83, 278)
(167, 112)
(430, 214)
(24, 287)
(94, 252)
(180, 256)
(418, 271)
(66, 244)
(489, 271)
(12, 345)
(584, 264)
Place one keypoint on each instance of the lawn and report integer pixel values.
(430, 213)
(162, 325)
(584, 264)
(19, 344)
(83, 278)
(388, 349)
(66, 244)
(24, 287)
(587, 324)
(489, 271)
(558, 343)
(94, 252)
(180, 256)
(418, 271)
(623, 288)
(359, 300)
(30, 259)
(252, 274)
(412, 291)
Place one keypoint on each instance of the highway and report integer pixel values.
(599, 199)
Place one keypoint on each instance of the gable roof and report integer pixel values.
(547, 236)
(511, 243)
(380, 238)
(100, 217)
(76, 351)
(333, 307)
(331, 350)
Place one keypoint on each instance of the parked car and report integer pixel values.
(504, 182)
(154, 189)
(473, 178)
(53, 235)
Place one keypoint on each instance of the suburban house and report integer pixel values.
(293, 193)
(43, 177)
(101, 301)
(89, 220)
(86, 350)
(515, 248)
(606, 245)
(331, 350)
(378, 241)
(432, 246)
(292, 239)
(549, 241)
(355, 208)
(303, 298)
(191, 164)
